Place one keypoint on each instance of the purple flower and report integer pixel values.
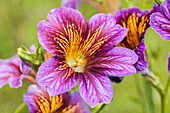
(10, 72)
(83, 51)
(14, 70)
(39, 101)
(137, 22)
(29, 73)
(160, 21)
(169, 62)
(71, 3)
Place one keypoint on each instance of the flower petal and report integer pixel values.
(3, 81)
(141, 64)
(95, 88)
(161, 25)
(38, 100)
(78, 104)
(123, 14)
(116, 62)
(57, 76)
(104, 31)
(71, 3)
(15, 82)
(61, 23)
(10, 72)
(27, 68)
(165, 8)
(137, 22)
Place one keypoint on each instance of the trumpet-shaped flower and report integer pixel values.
(39, 101)
(83, 51)
(14, 70)
(137, 22)
(160, 21)
(10, 72)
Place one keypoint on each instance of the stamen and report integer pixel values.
(79, 60)
(78, 63)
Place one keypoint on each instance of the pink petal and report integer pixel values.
(59, 78)
(161, 25)
(95, 88)
(116, 62)
(103, 28)
(61, 22)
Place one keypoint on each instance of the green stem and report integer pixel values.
(163, 104)
(150, 77)
(158, 2)
(20, 107)
(141, 98)
(102, 106)
(155, 82)
(164, 96)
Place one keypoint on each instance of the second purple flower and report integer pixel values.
(83, 51)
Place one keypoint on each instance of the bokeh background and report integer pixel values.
(18, 19)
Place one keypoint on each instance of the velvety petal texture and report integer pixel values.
(95, 88)
(39, 101)
(27, 68)
(10, 72)
(61, 21)
(83, 51)
(141, 64)
(137, 22)
(115, 62)
(59, 78)
(70, 3)
(160, 21)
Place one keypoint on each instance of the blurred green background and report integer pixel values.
(18, 19)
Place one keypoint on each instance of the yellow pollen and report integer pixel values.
(78, 63)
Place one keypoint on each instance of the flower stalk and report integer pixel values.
(164, 96)
(158, 2)
(20, 107)
(155, 82)
(101, 107)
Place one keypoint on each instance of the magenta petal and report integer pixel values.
(38, 100)
(141, 64)
(165, 8)
(33, 48)
(35, 93)
(15, 82)
(161, 25)
(10, 72)
(76, 100)
(46, 34)
(60, 85)
(95, 88)
(56, 76)
(104, 25)
(61, 22)
(169, 62)
(61, 17)
(70, 3)
(116, 62)
(3, 81)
